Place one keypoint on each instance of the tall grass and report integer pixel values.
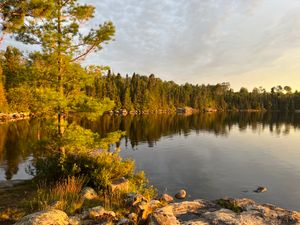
(63, 195)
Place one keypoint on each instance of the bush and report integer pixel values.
(86, 155)
(99, 168)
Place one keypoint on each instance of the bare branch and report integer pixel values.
(84, 54)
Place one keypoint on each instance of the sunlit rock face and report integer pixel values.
(48, 217)
(241, 212)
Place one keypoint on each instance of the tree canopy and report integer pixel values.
(55, 78)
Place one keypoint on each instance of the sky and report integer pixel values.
(248, 43)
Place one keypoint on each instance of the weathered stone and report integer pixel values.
(123, 221)
(261, 190)
(133, 217)
(244, 203)
(100, 213)
(181, 194)
(154, 204)
(89, 193)
(132, 199)
(47, 217)
(167, 198)
(163, 216)
(201, 212)
(120, 184)
(187, 207)
(143, 209)
(75, 220)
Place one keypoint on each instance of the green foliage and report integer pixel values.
(20, 99)
(57, 79)
(79, 140)
(229, 204)
(151, 93)
(87, 155)
(100, 167)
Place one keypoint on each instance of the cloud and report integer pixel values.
(194, 40)
(185, 40)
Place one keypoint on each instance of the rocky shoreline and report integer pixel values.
(164, 212)
(183, 110)
(12, 117)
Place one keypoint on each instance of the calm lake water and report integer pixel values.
(209, 155)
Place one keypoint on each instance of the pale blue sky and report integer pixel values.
(244, 42)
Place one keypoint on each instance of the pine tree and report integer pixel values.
(54, 25)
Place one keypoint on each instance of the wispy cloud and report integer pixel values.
(197, 41)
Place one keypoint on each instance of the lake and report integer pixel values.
(211, 155)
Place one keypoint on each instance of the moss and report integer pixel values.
(229, 204)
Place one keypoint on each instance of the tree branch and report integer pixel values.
(84, 54)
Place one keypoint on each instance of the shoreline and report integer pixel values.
(189, 111)
(166, 211)
(13, 117)
(163, 210)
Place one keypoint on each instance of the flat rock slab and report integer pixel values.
(201, 212)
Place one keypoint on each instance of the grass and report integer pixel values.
(63, 195)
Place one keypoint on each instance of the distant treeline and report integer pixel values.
(151, 93)
(139, 92)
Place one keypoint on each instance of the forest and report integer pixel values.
(19, 73)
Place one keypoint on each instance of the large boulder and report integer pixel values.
(47, 217)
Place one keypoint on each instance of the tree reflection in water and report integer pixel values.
(17, 139)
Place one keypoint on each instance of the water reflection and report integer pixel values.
(150, 128)
(16, 139)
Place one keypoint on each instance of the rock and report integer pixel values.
(163, 216)
(261, 190)
(133, 199)
(167, 198)
(143, 209)
(123, 221)
(47, 217)
(190, 207)
(133, 217)
(99, 212)
(120, 184)
(201, 212)
(181, 194)
(89, 193)
(154, 204)
(75, 220)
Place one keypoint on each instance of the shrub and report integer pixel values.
(86, 155)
